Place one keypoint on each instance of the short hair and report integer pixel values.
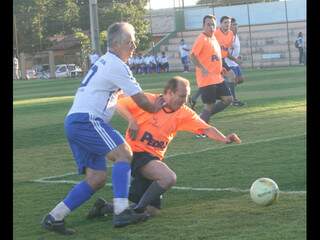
(172, 84)
(117, 33)
(210, 16)
(233, 20)
(223, 18)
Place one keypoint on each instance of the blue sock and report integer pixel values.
(78, 195)
(121, 172)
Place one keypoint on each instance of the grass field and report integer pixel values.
(211, 200)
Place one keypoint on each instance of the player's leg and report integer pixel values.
(162, 178)
(86, 148)
(208, 97)
(121, 172)
(193, 99)
(224, 94)
(239, 79)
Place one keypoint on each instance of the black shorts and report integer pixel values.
(139, 184)
(225, 65)
(210, 93)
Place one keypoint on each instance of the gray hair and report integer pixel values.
(118, 32)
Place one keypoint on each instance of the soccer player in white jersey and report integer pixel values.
(234, 51)
(92, 139)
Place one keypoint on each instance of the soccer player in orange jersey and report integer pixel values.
(225, 38)
(207, 58)
(149, 136)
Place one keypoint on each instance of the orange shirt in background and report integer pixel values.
(156, 130)
(225, 40)
(207, 50)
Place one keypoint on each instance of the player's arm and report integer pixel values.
(132, 124)
(143, 102)
(233, 58)
(198, 64)
(216, 135)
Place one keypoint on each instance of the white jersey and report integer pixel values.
(93, 58)
(234, 51)
(99, 90)
(182, 50)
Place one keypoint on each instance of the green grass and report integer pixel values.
(272, 127)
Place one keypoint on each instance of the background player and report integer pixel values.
(206, 56)
(234, 51)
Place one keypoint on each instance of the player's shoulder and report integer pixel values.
(186, 112)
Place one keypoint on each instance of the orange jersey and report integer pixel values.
(208, 53)
(156, 130)
(225, 41)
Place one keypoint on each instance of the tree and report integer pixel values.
(133, 12)
(85, 47)
(39, 19)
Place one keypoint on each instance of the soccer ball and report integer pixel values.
(264, 191)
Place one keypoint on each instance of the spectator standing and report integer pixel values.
(16, 75)
(164, 63)
(184, 55)
(300, 45)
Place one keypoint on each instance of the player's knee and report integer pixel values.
(96, 179)
(168, 180)
(172, 179)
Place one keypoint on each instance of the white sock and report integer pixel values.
(120, 204)
(60, 211)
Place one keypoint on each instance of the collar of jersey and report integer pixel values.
(115, 54)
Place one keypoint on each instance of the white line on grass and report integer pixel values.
(48, 179)
(43, 180)
(236, 145)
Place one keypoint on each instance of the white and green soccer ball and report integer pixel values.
(264, 191)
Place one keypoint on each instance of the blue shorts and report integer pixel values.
(185, 60)
(90, 139)
(237, 71)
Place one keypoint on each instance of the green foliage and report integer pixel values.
(130, 11)
(37, 20)
(85, 44)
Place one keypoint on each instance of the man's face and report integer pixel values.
(175, 100)
(225, 25)
(127, 47)
(209, 26)
(234, 27)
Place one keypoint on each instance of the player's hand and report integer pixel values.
(133, 130)
(159, 103)
(233, 138)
